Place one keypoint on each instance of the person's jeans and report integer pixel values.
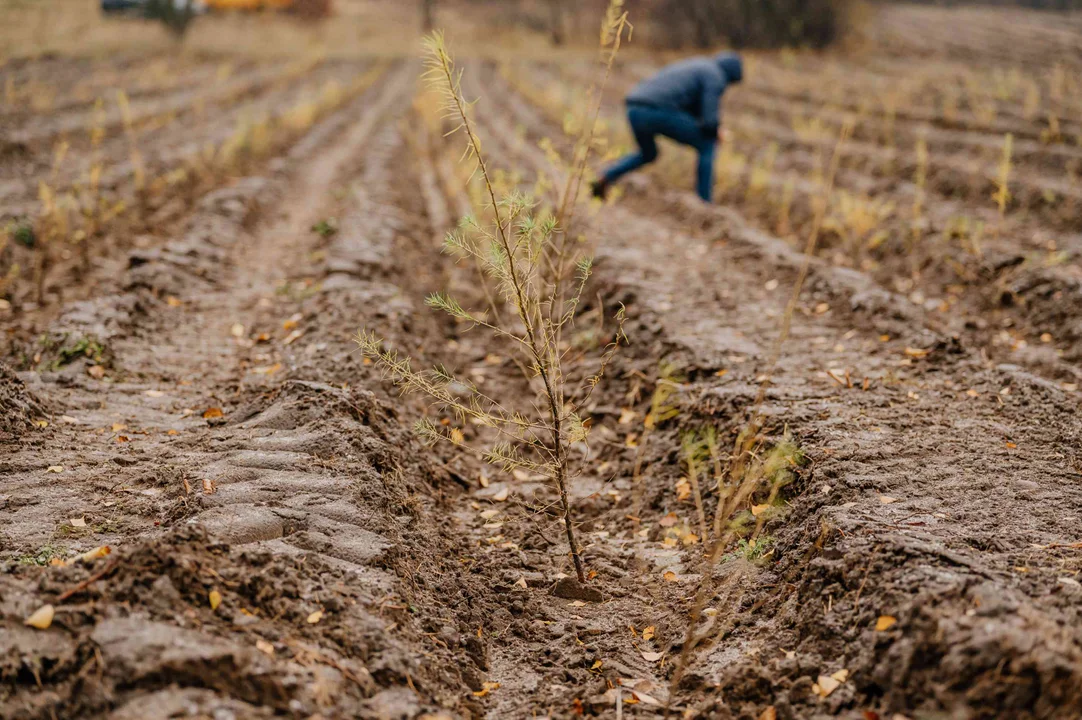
(649, 122)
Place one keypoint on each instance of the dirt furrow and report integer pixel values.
(906, 476)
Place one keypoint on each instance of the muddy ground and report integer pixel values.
(282, 545)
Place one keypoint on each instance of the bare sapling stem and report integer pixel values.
(512, 246)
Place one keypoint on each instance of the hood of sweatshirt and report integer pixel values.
(732, 66)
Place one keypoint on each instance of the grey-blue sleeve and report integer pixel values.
(712, 88)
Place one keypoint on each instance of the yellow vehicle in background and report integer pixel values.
(249, 4)
(303, 7)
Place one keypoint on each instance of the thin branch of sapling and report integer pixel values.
(510, 251)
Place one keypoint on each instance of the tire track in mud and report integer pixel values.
(303, 473)
(955, 514)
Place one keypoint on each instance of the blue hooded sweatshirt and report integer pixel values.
(693, 86)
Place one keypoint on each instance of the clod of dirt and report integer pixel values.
(570, 589)
(18, 406)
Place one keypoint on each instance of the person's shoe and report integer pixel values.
(599, 189)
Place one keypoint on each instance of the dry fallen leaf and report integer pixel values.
(825, 685)
(887, 499)
(502, 494)
(264, 647)
(683, 489)
(841, 675)
(486, 688)
(91, 555)
(211, 413)
(916, 353)
(78, 522)
(489, 514)
(117, 427)
(208, 487)
(597, 664)
(521, 582)
(457, 437)
(40, 423)
(648, 632)
(172, 301)
(268, 369)
(315, 617)
(769, 714)
(96, 371)
(237, 330)
(885, 622)
(55, 469)
(669, 520)
(483, 480)
(154, 393)
(627, 415)
(651, 656)
(758, 510)
(42, 618)
(215, 599)
(1011, 446)
(670, 576)
(578, 603)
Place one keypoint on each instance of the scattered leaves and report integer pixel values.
(42, 618)
(502, 494)
(648, 633)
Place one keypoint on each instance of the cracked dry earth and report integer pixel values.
(283, 546)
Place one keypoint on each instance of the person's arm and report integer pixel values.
(713, 85)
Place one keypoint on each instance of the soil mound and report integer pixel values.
(18, 406)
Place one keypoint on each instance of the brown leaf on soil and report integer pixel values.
(314, 617)
(521, 582)
(91, 555)
(651, 656)
(154, 393)
(268, 369)
(215, 599)
(632, 440)
(78, 522)
(669, 520)
(237, 330)
(264, 647)
(42, 618)
(502, 495)
(483, 481)
(825, 686)
(670, 576)
(887, 499)
(40, 423)
(122, 438)
(758, 510)
(208, 487)
(683, 489)
(916, 352)
(96, 371)
(648, 632)
(211, 413)
(117, 427)
(486, 688)
(769, 714)
(457, 437)
(55, 469)
(885, 622)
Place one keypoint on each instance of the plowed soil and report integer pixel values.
(283, 545)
